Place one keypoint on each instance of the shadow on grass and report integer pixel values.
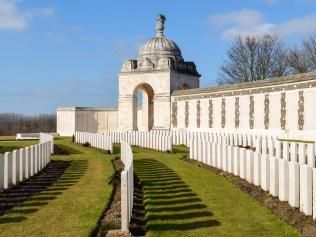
(62, 149)
(30, 195)
(170, 204)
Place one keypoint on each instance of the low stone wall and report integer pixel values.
(85, 119)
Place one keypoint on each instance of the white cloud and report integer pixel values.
(11, 18)
(252, 22)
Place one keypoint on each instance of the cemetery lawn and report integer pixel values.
(183, 199)
(72, 205)
(8, 143)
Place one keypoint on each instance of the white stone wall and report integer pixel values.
(293, 96)
(94, 120)
(66, 118)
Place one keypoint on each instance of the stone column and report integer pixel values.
(162, 118)
(125, 113)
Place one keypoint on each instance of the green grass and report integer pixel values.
(10, 144)
(183, 199)
(73, 205)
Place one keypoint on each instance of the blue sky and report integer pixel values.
(68, 53)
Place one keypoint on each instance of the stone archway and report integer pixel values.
(143, 108)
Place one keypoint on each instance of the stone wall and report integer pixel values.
(286, 103)
(94, 120)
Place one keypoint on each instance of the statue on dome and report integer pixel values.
(160, 25)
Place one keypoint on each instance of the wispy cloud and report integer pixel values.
(11, 18)
(252, 22)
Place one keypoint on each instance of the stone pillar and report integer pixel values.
(162, 119)
(126, 119)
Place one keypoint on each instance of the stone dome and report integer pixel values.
(160, 47)
(160, 53)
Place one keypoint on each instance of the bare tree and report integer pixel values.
(303, 58)
(254, 58)
(298, 61)
(11, 123)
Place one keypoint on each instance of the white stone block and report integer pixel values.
(311, 155)
(236, 161)
(286, 151)
(274, 176)
(301, 154)
(230, 157)
(208, 153)
(224, 157)
(219, 156)
(314, 193)
(306, 189)
(195, 150)
(249, 166)
(265, 172)
(15, 165)
(294, 184)
(1, 172)
(257, 169)
(283, 180)
(191, 146)
(278, 149)
(293, 151)
(214, 154)
(243, 165)
(204, 152)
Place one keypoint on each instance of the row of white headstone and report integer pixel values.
(127, 185)
(233, 137)
(292, 180)
(96, 140)
(152, 140)
(22, 164)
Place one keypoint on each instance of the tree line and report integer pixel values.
(254, 58)
(12, 123)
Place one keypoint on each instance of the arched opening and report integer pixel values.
(143, 107)
(184, 86)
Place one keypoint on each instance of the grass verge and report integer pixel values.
(183, 199)
(70, 206)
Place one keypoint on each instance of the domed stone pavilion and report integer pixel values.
(158, 70)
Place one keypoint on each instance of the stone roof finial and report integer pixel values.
(160, 25)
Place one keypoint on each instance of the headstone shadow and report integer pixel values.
(30, 195)
(169, 203)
